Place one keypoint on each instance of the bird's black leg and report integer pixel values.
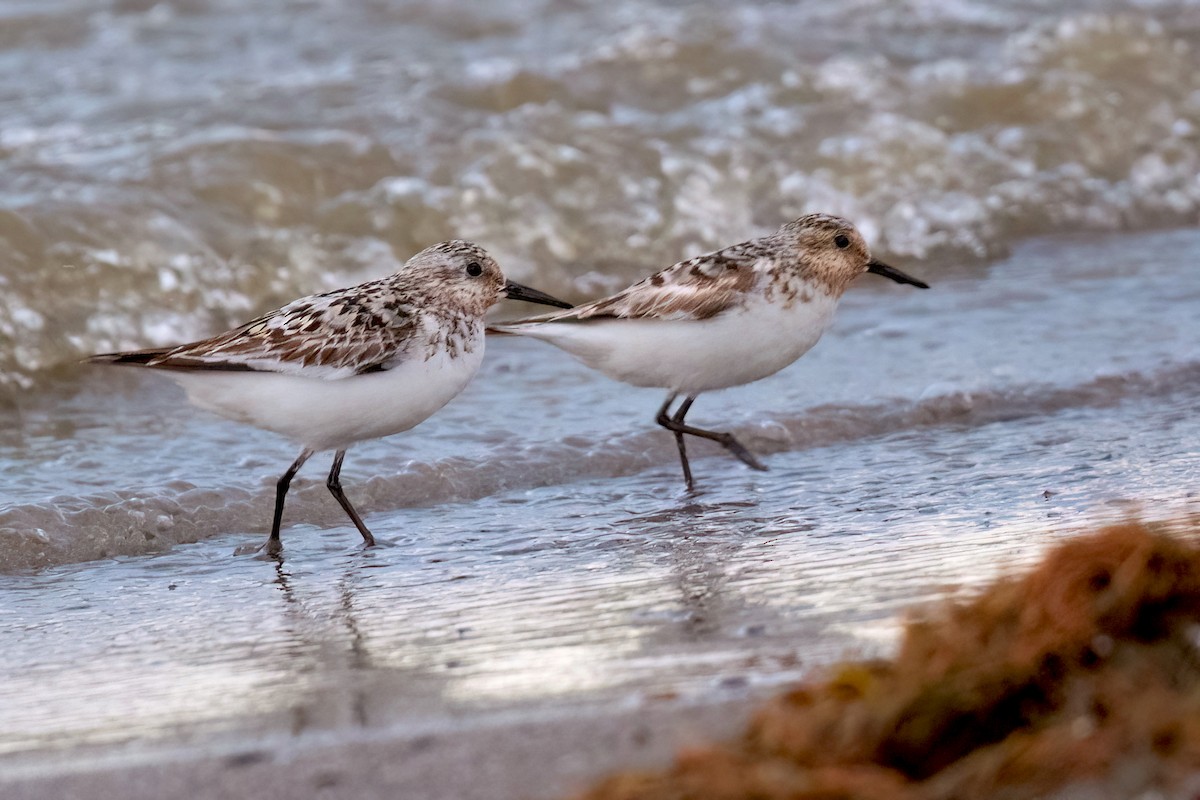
(726, 440)
(274, 545)
(335, 488)
(666, 421)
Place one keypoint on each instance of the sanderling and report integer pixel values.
(718, 320)
(341, 367)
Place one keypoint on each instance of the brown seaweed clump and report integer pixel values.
(1083, 671)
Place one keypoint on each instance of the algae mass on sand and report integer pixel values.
(1084, 671)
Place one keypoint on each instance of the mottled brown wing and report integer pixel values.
(698, 288)
(331, 336)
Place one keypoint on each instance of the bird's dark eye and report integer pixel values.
(842, 241)
(474, 269)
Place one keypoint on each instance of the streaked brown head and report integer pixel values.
(463, 277)
(832, 252)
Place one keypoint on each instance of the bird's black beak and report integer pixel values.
(880, 268)
(515, 291)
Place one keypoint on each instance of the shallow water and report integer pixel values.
(172, 168)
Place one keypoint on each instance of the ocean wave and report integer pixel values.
(584, 147)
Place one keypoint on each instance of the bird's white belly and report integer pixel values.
(332, 414)
(693, 356)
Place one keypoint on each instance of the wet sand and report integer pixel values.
(1061, 645)
(502, 759)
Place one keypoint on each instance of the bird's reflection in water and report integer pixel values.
(692, 532)
(337, 641)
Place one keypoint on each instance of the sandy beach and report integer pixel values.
(498, 759)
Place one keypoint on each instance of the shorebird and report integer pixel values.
(723, 319)
(341, 367)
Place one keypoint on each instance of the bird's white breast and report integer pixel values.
(331, 414)
(693, 356)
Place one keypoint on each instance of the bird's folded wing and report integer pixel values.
(329, 336)
(696, 289)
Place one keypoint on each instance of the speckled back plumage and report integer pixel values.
(792, 262)
(428, 304)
